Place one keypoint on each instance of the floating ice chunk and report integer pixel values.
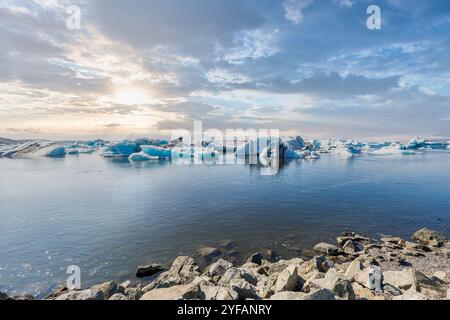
(393, 149)
(416, 143)
(347, 151)
(141, 156)
(121, 149)
(57, 152)
(154, 151)
(293, 154)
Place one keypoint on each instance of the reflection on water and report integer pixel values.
(109, 215)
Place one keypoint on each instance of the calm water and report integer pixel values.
(110, 216)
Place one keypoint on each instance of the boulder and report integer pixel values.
(318, 263)
(218, 293)
(283, 264)
(289, 280)
(410, 295)
(410, 279)
(237, 274)
(133, 293)
(353, 269)
(326, 248)
(180, 292)
(217, 269)
(340, 286)
(118, 296)
(149, 270)
(429, 237)
(256, 258)
(183, 271)
(244, 289)
(321, 295)
(440, 275)
(89, 294)
(393, 240)
(108, 289)
(349, 247)
(371, 278)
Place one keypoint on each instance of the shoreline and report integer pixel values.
(356, 267)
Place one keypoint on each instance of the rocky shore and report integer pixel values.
(357, 267)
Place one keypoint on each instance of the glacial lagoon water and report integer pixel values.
(108, 216)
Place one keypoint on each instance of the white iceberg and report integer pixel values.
(141, 156)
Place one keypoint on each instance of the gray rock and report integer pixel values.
(218, 293)
(149, 270)
(183, 271)
(340, 286)
(429, 237)
(89, 294)
(289, 280)
(326, 248)
(133, 293)
(371, 278)
(181, 292)
(237, 274)
(107, 289)
(118, 296)
(353, 269)
(321, 295)
(23, 297)
(244, 289)
(349, 247)
(217, 269)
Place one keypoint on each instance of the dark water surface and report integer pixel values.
(110, 216)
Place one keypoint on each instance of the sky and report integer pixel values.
(141, 68)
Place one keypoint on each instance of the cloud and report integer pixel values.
(294, 9)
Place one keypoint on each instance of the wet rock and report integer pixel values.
(353, 237)
(125, 285)
(208, 252)
(149, 270)
(57, 292)
(326, 248)
(118, 296)
(217, 269)
(180, 292)
(429, 237)
(256, 258)
(228, 244)
(289, 280)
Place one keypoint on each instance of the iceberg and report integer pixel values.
(347, 151)
(394, 148)
(57, 152)
(121, 149)
(155, 151)
(141, 156)
(416, 143)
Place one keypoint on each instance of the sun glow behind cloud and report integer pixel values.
(132, 96)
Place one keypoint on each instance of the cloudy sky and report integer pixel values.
(145, 67)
